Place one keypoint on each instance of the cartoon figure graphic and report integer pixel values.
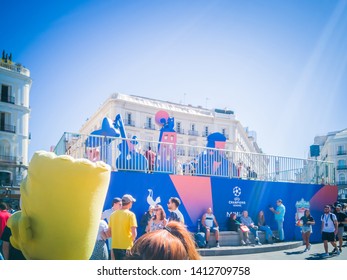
(98, 144)
(129, 158)
(166, 157)
(213, 161)
(150, 199)
(301, 206)
(62, 200)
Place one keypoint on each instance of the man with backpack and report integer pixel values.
(329, 230)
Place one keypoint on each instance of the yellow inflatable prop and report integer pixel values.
(62, 200)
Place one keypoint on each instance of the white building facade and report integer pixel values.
(333, 147)
(15, 85)
(192, 124)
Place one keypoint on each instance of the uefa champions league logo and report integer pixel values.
(237, 202)
(237, 191)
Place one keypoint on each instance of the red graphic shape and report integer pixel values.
(326, 195)
(195, 193)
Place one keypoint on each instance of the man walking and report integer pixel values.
(329, 229)
(279, 217)
(123, 228)
(342, 221)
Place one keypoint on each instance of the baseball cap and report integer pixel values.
(116, 200)
(127, 198)
(338, 206)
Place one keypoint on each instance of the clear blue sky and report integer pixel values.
(280, 65)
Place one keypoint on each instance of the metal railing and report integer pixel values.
(129, 154)
(8, 128)
(15, 67)
(8, 99)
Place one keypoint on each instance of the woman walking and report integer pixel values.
(306, 228)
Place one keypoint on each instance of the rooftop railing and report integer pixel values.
(126, 155)
(15, 67)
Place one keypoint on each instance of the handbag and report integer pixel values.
(244, 228)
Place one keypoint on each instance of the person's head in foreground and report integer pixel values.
(173, 242)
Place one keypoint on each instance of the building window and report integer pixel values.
(342, 179)
(5, 178)
(223, 131)
(149, 123)
(6, 94)
(341, 150)
(129, 120)
(206, 131)
(5, 123)
(341, 164)
(178, 127)
(192, 130)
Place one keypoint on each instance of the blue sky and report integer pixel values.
(280, 65)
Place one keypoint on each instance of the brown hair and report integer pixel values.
(162, 215)
(173, 242)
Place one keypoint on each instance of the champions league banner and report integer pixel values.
(225, 196)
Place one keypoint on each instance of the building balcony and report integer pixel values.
(129, 122)
(8, 99)
(341, 167)
(149, 126)
(5, 158)
(8, 128)
(180, 131)
(193, 133)
(341, 153)
(15, 67)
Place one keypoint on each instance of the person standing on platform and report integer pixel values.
(279, 217)
(150, 156)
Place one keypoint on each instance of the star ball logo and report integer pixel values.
(237, 191)
(237, 202)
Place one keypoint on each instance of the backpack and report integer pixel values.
(200, 239)
(331, 217)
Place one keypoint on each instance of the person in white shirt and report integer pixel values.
(329, 230)
(175, 214)
(116, 205)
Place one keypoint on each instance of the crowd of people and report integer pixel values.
(165, 237)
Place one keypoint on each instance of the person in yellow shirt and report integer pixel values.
(123, 228)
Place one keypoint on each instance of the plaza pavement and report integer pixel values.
(278, 251)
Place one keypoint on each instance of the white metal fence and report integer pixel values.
(130, 155)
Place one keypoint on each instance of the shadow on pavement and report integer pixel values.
(319, 257)
(294, 253)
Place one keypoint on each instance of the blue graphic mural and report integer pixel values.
(224, 195)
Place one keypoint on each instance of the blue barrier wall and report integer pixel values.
(224, 195)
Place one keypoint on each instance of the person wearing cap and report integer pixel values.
(342, 221)
(123, 228)
(279, 217)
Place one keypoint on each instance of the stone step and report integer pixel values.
(232, 238)
(239, 250)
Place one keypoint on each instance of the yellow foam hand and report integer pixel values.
(62, 200)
